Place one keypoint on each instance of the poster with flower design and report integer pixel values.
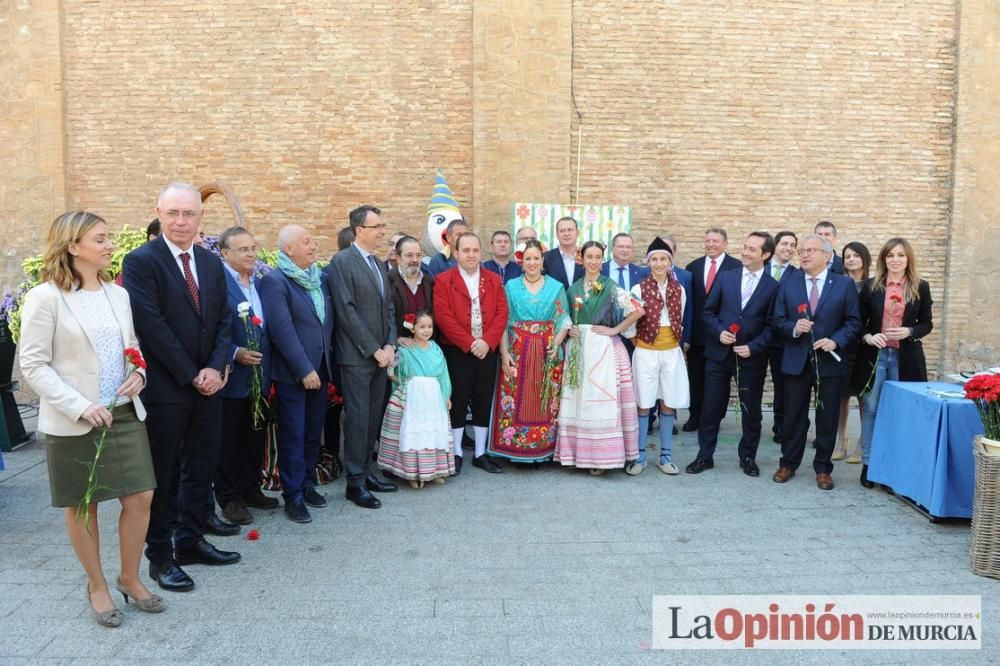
(596, 222)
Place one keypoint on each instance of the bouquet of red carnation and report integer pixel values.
(333, 397)
(984, 390)
(734, 328)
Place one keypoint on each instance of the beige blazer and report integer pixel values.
(59, 358)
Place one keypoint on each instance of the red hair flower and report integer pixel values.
(409, 321)
(256, 321)
(519, 257)
(253, 535)
(734, 328)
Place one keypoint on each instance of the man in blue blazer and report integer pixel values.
(620, 268)
(561, 262)
(502, 263)
(300, 324)
(737, 333)
(780, 268)
(237, 476)
(181, 317)
(817, 314)
(704, 270)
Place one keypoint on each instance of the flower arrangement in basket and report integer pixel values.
(984, 390)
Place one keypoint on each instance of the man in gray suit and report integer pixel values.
(363, 347)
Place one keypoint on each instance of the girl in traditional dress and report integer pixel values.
(598, 425)
(527, 397)
(415, 443)
(658, 363)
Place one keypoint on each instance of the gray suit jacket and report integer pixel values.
(365, 316)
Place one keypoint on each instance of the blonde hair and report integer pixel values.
(57, 262)
(910, 274)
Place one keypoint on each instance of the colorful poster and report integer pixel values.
(596, 222)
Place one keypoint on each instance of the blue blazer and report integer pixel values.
(298, 340)
(552, 264)
(177, 340)
(684, 277)
(238, 385)
(635, 273)
(837, 317)
(439, 264)
(724, 307)
(513, 270)
(698, 295)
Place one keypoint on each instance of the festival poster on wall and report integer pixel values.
(596, 222)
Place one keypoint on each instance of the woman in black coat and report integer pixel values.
(895, 314)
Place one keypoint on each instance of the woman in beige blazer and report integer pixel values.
(75, 328)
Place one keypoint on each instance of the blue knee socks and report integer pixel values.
(643, 427)
(666, 436)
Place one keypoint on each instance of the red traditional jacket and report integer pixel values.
(647, 328)
(453, 308)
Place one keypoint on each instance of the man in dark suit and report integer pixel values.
(502, 262)
(704, 271)
(817, 314)
(237, 476)
(364, 346)
(441, 262)
(620, 268)
(181, 315)
(561, 262)
(780, 268)
(737, 332)
(300, 318)
(412, 289)
(825, 230)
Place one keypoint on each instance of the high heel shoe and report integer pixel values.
(153, 604)
(111, 618)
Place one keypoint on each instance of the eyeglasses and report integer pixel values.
(810, 250)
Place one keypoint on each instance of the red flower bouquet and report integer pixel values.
(984, 390)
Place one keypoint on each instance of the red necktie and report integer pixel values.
(189, 278)
(711, 277)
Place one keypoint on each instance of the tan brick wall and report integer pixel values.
(305, 109)
(770, 115)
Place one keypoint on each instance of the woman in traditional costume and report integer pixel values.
(598, 425)
(527, 396)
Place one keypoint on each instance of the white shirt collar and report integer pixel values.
(820, 279)
(364, 253)
(176, 251)
(756, 275)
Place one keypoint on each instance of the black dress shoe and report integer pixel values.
(255, 499)
(749, 467)
(363, 498)
(376, 485)
(697, 466)
(212, 524)
(170, 577)
(864, 478)
(202, 552)
(691, 425)
(484, 463)
(778, 438)
(297, 512)
(458, 465)
(314, 499)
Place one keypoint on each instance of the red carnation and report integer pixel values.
(734, 328)
(256, 321)
(519, 257)
(134, 357)
(803, 308)
(896, 298)
(253, 535)
(410, 318)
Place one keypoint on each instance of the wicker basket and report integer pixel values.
(985, 542)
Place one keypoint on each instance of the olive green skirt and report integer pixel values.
(125, 467)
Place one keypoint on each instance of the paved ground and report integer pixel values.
(533, 566)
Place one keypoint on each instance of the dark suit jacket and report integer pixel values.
(684, 277)
(512, 270)
(635, 273)
(837, 317)
(238, 385)
(698, 295)
(299, 341)
(366, 318)
(724, 308)
(552, 264)
(916, 315)
(777, 340)
(836, 264)
(399, 292)
(453, 309)
(177, 340)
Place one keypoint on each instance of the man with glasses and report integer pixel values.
(364, 346)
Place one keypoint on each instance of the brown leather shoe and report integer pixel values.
(783, 474)
(824, 481)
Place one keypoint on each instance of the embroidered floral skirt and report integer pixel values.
(526, 405)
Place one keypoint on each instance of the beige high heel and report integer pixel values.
(112, 618)
(153, 604)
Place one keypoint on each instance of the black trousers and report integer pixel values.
(364, 391)
(473, 382)
(798, 394)
(184, 441)
(718, 378)
(696, 379)
(774, 355)
(241, 453)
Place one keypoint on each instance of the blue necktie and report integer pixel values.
(378, 275)
(621, 277)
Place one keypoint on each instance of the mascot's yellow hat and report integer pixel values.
(442, 198)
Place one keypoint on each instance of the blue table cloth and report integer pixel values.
(922, 446)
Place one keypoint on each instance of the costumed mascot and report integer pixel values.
(441, 210)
